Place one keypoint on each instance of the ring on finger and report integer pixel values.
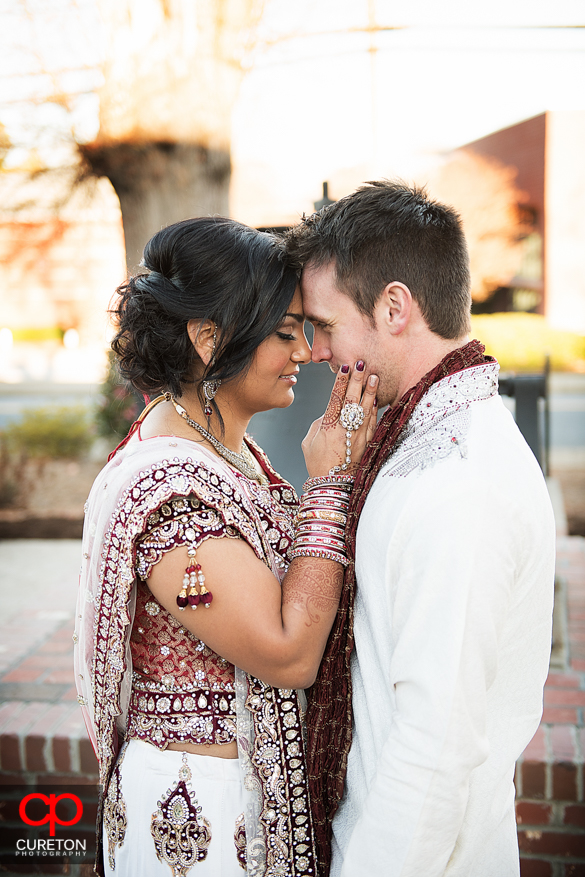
(351, 418)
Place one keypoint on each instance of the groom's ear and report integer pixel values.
(394, 307)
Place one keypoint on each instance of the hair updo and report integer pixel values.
(208, 268)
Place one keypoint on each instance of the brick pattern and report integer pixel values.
(40, 738)
(550, 784)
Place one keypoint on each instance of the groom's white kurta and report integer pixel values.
(455, 569)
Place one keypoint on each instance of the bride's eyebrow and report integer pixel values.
(300, 318)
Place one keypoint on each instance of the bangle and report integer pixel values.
(335, 517)
(340, 481)
(321, 519)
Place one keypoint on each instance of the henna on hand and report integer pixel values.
(333, 410)
(315, 585)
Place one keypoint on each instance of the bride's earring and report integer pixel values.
(210, 388)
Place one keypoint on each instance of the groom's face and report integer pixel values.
(343, 335)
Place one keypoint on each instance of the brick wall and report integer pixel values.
(42, 732)
(44, 741)
(521, 146)
(550, 794)
(550, 808)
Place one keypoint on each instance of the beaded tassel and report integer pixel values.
(193, 579)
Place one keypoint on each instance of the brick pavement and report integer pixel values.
(42, 733)
(41, 727)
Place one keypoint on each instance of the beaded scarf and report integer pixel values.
(329, 714)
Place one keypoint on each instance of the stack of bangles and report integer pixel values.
(321, 519)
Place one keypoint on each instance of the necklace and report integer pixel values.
(243, 461)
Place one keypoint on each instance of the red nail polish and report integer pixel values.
(376, 402)
(360, 365)
(344, 369)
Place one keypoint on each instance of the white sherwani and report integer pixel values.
(455, 570)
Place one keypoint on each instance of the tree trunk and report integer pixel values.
(161, 183)
(171, 77)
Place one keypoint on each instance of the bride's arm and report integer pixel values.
(277, 634)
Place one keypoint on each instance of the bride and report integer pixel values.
(207, 589)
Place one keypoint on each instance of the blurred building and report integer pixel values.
(547, 153)
(61, 258)
(62, 247)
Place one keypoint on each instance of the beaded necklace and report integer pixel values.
(243, 461)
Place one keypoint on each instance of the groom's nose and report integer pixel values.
(321, 351)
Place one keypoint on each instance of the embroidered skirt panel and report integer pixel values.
(173, 814)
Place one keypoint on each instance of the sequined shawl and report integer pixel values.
(137, 481)
(329, 716)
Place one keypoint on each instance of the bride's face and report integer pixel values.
(272, 376)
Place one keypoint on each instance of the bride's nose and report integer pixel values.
(303, 352)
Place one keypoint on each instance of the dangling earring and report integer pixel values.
(210, 388)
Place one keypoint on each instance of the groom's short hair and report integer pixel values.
(387, 231)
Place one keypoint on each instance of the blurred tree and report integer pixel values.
(485, 193)
(171, 75)
(118, 404)
(5, 145)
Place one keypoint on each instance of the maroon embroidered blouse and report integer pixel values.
(182, 691)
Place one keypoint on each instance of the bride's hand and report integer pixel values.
(324, 446)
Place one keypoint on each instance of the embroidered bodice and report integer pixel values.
(440, 422)
(181, 689)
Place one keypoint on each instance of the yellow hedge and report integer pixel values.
(520, 342)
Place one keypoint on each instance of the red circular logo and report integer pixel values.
(51, 817)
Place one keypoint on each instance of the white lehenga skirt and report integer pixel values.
(173, 813)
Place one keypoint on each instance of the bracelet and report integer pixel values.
(335, 517)
(340, 481)
(323, 553)
(321, 519)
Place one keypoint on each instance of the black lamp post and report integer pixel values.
(325, 201)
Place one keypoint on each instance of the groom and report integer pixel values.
(448, 603)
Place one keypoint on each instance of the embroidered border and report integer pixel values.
(440, 422)
(160, 715)
(146, 493)
(277, 758)
(240, 841)
(115, 820)
(285, 816)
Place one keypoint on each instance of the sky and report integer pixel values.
(336, 90)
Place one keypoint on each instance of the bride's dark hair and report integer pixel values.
(208, 268)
